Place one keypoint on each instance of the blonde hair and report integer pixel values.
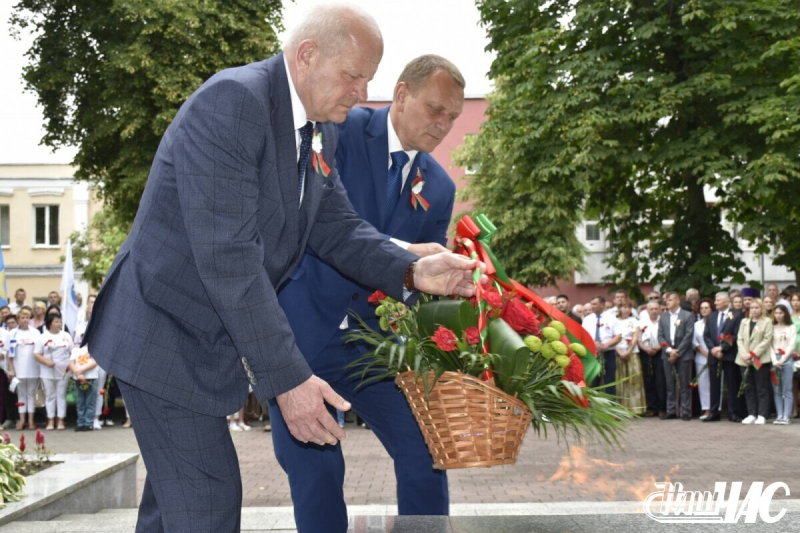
(40, 304)
(760, 303)
(25, 309)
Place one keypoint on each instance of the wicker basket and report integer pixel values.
(467, 422)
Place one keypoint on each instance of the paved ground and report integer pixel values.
(693, 453)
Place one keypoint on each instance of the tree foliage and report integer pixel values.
(111, 74)
(638, 112)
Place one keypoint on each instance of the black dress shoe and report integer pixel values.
(735, 419)
(650, 414)
(712, 418)
(671, 416)
(686, 417)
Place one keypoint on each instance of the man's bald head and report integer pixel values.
(332, 56)
(332, 28)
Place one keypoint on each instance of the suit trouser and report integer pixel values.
(715, 383)
(681, 387)
(733, 380)
(654, 386)
(193, 482)
(757, 391)
(316, 473)
(609, 372)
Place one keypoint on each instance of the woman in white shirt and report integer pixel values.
(784, 338)
(53, 353)
(22, 343)
(701, 357)
(629, 366)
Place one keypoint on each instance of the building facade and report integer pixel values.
(40, 206)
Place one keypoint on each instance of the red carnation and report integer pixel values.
(22, 443)
(493, 297)
(520, 317)
(692, 385)
(665, 345)
(574, 370)
(473, 335)
(445, 339)
(376, 297)
(39, 437)
(102, 392)
(20, 404)
(6, 438)
(106, 411)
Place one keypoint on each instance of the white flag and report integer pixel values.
(69, 303)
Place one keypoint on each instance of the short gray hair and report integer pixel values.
(417, 72)
(724, 294)
(331, 27)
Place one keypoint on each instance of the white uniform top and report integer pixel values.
(3, 348)
(82, 356)
(22, 345)
(56, 347)
(648, 331)
(80, 331)
(627, 328)
(606, 323)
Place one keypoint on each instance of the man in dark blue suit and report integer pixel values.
(242, 183)
(382, 156)
(724, 324)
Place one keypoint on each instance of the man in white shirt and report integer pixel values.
(19, 301)
(652, 369)
(600, 325)
(773, 291)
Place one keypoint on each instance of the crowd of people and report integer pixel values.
(673, 356)
(38, 352)
(43, 365)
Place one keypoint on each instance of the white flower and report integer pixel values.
(316, 142)
(417, 188)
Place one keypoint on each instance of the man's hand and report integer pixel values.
(447, 273)
(716, 351)
(303, 409)
(425, 249)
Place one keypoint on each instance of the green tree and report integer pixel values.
(632, 112)
(111, 74)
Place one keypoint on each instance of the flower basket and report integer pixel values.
(466, 422)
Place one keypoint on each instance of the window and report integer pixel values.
(592, 232)
(46, 220)
(5, 229)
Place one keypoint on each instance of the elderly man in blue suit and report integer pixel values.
(188, 316)
(383, 157)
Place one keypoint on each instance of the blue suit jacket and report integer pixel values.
(188, 311)
(317, 298)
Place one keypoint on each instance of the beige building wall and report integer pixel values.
(37, 267)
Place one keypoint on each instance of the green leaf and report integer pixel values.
(455, 315)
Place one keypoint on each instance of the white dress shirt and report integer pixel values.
(673, 325)
(607, 323)
(648, 330)
(299, 118)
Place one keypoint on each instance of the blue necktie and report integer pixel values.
(305, 151)
(394, 183)
(721, 320)
(597, 329)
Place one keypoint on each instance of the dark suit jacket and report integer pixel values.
(729, 326)
(683, 334)
(188, 311)
(317, 297)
